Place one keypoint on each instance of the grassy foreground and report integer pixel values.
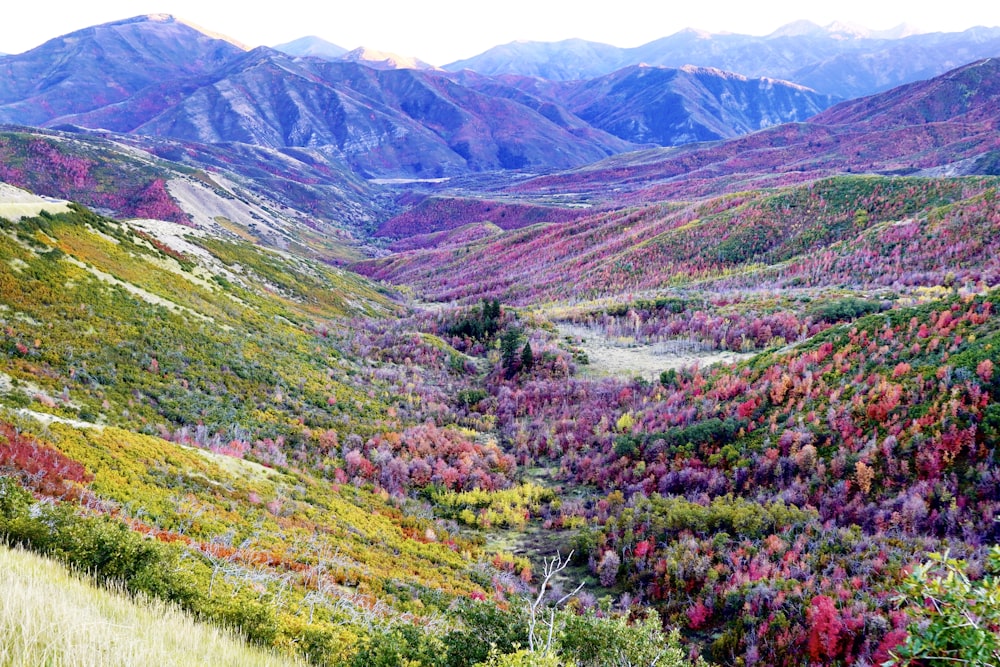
(48, 616)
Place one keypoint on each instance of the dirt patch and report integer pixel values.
(16, 203)
(623, 359)
(45, 419)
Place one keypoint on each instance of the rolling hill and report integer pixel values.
(302, 199)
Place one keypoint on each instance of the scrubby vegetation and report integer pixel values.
(281, 447)
(45, 165)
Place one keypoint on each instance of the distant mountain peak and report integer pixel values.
(848, 29)
(899, 32)
(312, 46)
(801, 28)
(843, 30)
(384, 60)
(169, 19)
(696, 33)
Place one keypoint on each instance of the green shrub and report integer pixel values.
(845, 310)
(955, 619)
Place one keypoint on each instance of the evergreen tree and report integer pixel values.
(510, 343)
(527, 358)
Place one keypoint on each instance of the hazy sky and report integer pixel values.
(441, 31)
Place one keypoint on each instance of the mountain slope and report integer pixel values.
(670, 107)
(945, 125)
(383, 122)
(192, 393)
(103, 65)
(967, 94)
(294, 198)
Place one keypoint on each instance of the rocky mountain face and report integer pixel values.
(837, 60)
(673, 106)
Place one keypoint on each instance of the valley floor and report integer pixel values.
(624, 358)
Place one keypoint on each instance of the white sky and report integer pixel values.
(441, 31)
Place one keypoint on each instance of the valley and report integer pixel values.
(375, 363)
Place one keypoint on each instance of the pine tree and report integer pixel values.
(527, 358)
(510, 342)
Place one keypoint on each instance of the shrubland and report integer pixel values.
(285, 448)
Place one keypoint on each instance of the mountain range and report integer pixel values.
(308, 139)
(840, 60)
(377, 115)
(317, 135)
(671, 106)
(158, 76)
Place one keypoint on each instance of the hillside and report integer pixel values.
(272, 424)
(814, 235)
(86, 616)
(130, 352)
(302, 199)
(427, 215)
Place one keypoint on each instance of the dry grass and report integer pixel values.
(50, 617)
